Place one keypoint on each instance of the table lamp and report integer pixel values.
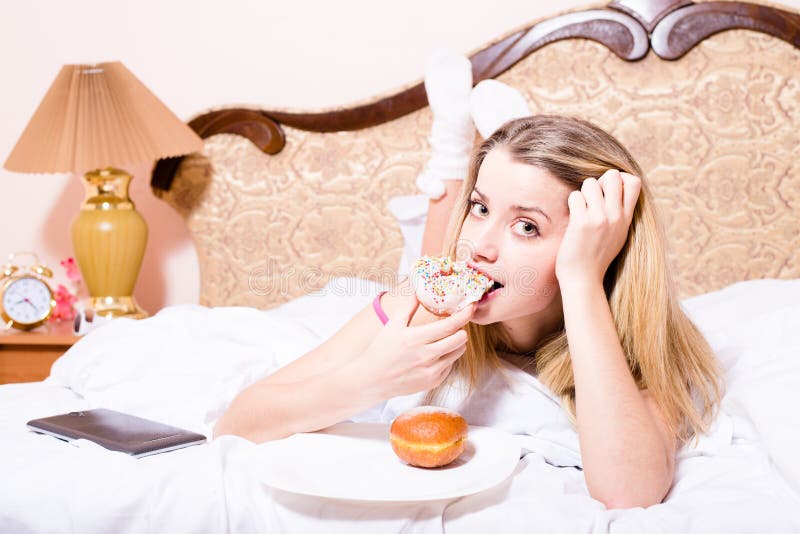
(99, 118)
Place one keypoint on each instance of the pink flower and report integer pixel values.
(64, 309)
(71, 268)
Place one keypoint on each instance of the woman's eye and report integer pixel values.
(476, 208)
(526, 228)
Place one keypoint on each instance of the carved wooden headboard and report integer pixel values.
(279, 202)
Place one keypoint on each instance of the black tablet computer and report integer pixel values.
(117, 431)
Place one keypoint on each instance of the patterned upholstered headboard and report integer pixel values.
(278, 202)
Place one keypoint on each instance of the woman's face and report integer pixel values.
(517, 218)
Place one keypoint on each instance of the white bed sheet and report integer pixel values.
(186, 364)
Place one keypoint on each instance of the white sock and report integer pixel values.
(448, 82)
(493, 104)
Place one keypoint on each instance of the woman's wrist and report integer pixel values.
(579, 285)
(363, 394)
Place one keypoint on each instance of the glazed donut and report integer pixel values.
(428, 436)
(443, 287)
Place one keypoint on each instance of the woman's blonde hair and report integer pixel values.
(666, 353)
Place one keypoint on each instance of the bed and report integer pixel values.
(297, 225)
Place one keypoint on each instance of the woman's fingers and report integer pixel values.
(442, 367)
(614, 194)
(611, 184)
(410, 305)
(436, 330)
(593, 194)
(632, 186)
(577, 206)
(448, 359)
(447, 344)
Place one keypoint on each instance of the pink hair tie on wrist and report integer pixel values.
(376, 305)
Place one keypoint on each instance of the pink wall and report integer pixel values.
(200, 54)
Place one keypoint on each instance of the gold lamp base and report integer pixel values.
(109, 238)
(117, 307)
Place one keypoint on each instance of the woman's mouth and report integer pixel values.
(491, 292)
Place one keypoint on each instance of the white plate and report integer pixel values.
(356, 461)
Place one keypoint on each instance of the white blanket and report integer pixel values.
(184, 365)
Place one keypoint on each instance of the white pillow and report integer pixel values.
(732, 315)
(326, 310)
(411, 213)
(183, 365)
(754, 328)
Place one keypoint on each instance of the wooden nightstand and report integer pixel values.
(27, 356)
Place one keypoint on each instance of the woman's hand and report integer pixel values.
(403, 359)
(600, 215)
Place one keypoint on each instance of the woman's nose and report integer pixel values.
(480, 249)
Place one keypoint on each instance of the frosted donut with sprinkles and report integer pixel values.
(443, 286)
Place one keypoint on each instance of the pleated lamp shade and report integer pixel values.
(96, 116)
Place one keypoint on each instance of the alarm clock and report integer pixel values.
(26, 299)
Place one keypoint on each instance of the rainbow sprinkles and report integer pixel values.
(444, 286)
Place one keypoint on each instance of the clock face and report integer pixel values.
(27, 300)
